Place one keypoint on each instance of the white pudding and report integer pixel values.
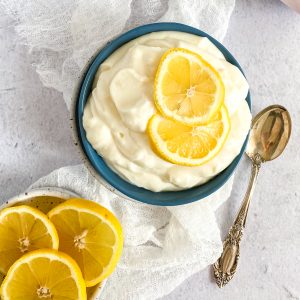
(121, 103)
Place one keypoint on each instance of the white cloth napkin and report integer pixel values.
(163, 246)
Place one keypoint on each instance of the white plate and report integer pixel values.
(45, 199)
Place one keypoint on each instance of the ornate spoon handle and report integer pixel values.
(225, 266)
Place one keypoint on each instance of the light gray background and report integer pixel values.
(264, 36)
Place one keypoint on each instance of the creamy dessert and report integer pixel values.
(122, 102)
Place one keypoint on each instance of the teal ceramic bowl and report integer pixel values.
(96, 164)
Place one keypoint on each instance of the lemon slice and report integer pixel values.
(23, 229)
(90, 234)
(186, 145)
(44, 274)
(187, 88)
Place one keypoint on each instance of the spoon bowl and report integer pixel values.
(270, 133)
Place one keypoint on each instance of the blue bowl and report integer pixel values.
(97, 163)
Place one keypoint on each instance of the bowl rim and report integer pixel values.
(40, 191)
(131, 191)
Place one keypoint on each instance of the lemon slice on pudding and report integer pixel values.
(90, 234)
(187, 88)
(186, 145)
(44, 274)
(23, 229)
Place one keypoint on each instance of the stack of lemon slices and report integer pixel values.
(58, 255)
(193, 123)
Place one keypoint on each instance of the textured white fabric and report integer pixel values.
(63, 35)
(163, 246)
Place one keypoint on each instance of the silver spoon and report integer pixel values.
(270, 133)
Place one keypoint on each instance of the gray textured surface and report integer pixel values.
(34, 130)
(265, 38)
